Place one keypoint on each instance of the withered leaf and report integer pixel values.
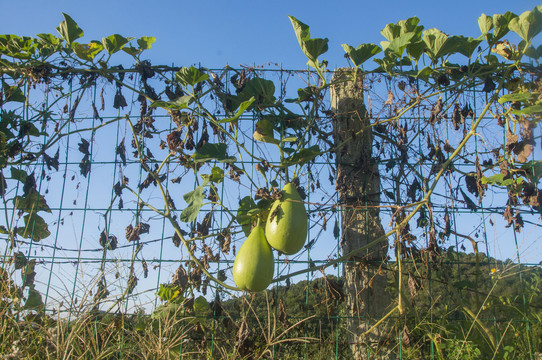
(110, 242)
(447, 147)
(283, 316)
(174, 141)
(489, 85)
(132, 233)
(121, 152)
(51, 162)
(84, 147)
(457, 117)
(518, 222)
(435, 111)
(414, 284)
(132, 283)
(405, 336)
(85, 165)
(118, 188)
(119, 101)
(145, 268)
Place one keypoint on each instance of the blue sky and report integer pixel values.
(215, 33)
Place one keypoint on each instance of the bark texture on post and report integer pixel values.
(358, 184)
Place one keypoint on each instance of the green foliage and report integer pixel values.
(194, 199)
(190, 76)
(69, 30)
(210, 152)
(470, 318)
(362, 53)
(528, 24)
(311, 47)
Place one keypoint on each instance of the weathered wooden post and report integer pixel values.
(358, 184)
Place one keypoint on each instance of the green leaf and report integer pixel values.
(69, 30)
(28, 273)
(534, 170)
(87, 51)
(35, 228)
(464, 45)
(114, 43)
(261, 89)
(48, 40)
(522, 97)
(312, 48)
(130, 50)
(529, 110)
(12, 93)
(33, 300)
(211, 151)
(168, 292)
(265, 132)
(399, 44)
(437, 43)
(362, 53)
(19, 175)
(389, 62)
(289, 139)
(217, 175)
(424, 73)
(500, 23)
(242, 108)
(391, 31)
(528, 24)
(201, 307)
(19, 260)
(194, 199)
(190, 76)
(394, 31)
(497, 179)
(48, 44)
(415, 49)
(177, 104)
(303, 156)
(485, 23)
(145, 42)
(20, 47)
(245, 217)
(411, 25)
(29, 129)
(534, 53)
(31, 203)
(167, 311)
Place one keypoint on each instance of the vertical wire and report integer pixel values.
(525, 319)
(59, 210)
(308, 261)
(136, 247)
(340, 265)
(83, 221)
(26, 117)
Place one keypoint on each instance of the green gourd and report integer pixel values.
(286, 227)
(254, 266)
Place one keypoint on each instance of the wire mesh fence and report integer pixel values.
(114, 206)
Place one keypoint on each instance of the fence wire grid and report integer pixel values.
(98, 249)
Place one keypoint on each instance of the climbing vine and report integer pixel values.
(431, 78)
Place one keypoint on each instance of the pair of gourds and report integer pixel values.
(285, 231)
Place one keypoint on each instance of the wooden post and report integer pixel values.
(358, 184)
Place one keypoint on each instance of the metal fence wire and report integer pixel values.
(90, 165)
